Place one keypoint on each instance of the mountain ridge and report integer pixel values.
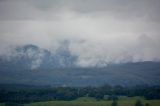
(59, 69)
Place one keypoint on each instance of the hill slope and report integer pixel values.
(33, 65)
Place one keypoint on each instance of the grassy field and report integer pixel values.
(95, 103)
(85, 101)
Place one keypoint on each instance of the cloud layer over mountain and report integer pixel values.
(98, 32)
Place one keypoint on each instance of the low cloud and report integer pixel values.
(99, 32)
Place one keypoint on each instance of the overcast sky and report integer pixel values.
(99, 31)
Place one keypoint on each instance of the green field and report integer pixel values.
(94, 103)
(87, 101)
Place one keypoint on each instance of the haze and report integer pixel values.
(98, 31)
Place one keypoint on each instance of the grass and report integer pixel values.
(121, 98)
(97, 103)
(1, 104)
(87, 101)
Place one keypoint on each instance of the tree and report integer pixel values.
(138, 103)
(114, 103)
(147, 104)
(12, 104)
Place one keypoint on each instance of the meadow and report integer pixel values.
(92, 102)
(88, 101)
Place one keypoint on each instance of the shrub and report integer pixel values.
(114, 103)
(138, 103)
(12, 104)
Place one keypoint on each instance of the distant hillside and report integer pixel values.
(34, 65)
(33, 57)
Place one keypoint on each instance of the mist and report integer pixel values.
(99, 32)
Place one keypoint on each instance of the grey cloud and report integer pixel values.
(40, 9)
(100, 31)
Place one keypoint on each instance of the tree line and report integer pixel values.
(71, 93)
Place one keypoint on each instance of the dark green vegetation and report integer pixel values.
(138, 103)
(105, 92)
(11, 104)
(114, 103)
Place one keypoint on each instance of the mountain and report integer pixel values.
(33, 57)
(37, 66)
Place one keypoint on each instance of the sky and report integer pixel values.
(98, 31)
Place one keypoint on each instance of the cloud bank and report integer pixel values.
(99, 31)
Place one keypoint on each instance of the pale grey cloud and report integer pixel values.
(100, 31)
